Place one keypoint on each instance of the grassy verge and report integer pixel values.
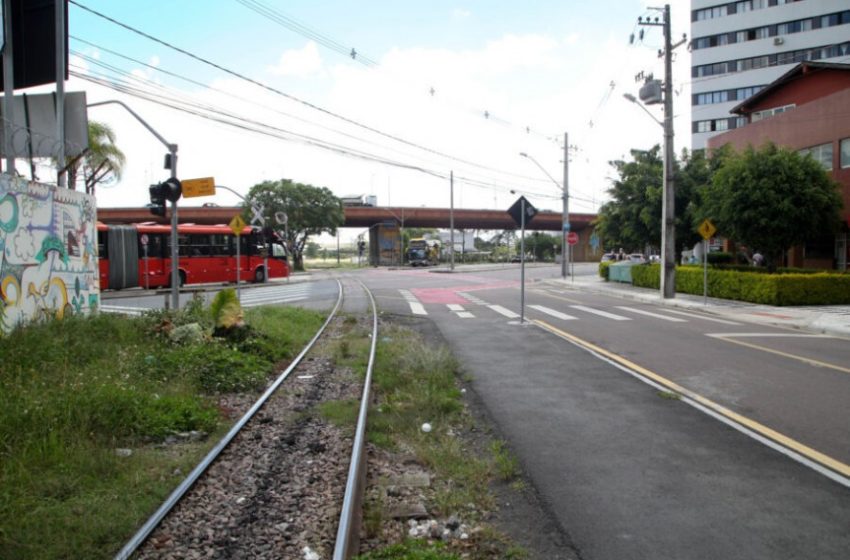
(416, 383)
(85, 401)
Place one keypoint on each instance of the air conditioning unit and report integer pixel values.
(778, 41)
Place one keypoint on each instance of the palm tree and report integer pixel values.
(101, 162)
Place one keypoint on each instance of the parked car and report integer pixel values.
(608, 257)
(655, 258)
(637, 258)
(516, 259)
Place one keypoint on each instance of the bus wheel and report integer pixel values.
(181, 280)
(260, 275)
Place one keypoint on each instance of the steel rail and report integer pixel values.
(343, 549)
(142, 534)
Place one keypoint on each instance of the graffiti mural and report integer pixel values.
(48, 252)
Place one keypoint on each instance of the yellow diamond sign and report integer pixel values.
(237, 224)
(706, 229)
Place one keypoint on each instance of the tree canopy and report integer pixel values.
(101, 163)
(310, 211)
(771, 199)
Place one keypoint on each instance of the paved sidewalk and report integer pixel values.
(832, 320)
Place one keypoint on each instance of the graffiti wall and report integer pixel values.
(48, 252)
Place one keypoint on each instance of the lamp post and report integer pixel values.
(565, 257)
(171, 164)
(668, 213)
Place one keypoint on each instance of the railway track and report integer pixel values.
(283, 482)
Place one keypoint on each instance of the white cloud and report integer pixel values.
(298, 62)
(460, 13)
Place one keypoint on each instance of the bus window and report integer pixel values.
(278, 251)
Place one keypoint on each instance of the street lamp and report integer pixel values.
(668, 212)
(566, 210)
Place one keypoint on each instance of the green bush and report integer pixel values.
(756, 287)
(720, 258)
(603, 269)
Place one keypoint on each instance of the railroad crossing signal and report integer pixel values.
(706, 229)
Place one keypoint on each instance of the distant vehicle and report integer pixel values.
(655, 258)
(637, 258)
(608, 257)
(516, 259)
(423, 252)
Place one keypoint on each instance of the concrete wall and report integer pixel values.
(48, 252)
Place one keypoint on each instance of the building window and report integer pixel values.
(760, 115)
(822, 154)
(703, 126)
(721, 124)
(845, 153)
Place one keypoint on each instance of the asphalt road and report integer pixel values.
(628, 471)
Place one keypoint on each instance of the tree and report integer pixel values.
(102, 162)
(310, 211)
(632, 219)
(771, 199)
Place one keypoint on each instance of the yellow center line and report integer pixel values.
(803, 359)
(748, 423)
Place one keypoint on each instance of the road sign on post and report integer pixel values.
(522, 205)
(237, 224)
(706, 229)
(198, 187)
(572, 238)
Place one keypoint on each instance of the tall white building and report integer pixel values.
(739, 47)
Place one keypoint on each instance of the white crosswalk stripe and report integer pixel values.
(473, 299)
(703, 317)
(553, 312)
(504, 311)
(267, 296)
(123, 309)
(600, 313)
(415, 306)
(460, 311)
(651, 314)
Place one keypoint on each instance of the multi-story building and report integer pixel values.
(806, 109)
(739, 47)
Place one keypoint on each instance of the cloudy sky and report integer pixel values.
(268, 89)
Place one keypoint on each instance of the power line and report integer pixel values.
(282, 93)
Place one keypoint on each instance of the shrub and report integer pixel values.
(720, 258)
(603, 269)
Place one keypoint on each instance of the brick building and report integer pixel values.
(806, 109)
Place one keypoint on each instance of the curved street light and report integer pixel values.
(566, 210)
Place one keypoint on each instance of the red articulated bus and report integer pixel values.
(139, 255)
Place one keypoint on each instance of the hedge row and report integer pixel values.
(755, 287)
(603, 269)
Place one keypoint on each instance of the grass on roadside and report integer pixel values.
(78, 395)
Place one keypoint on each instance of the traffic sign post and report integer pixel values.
(144, 241)
(237, 224)
(522, 212)
(198, 187)
(706, 229)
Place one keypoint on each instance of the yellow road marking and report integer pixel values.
(803, 359)
(748, 423)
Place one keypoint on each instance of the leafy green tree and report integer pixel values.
(632, 219)
(310, 211)
(771, 199)
(312, 250)
(101, 163)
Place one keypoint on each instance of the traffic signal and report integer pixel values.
(157, 205)
(172, 189)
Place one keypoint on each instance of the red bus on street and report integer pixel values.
(139, 255)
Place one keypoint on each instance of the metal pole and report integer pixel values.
(668, 234)
(522, 264)
(565, 251)
(8, 87)
(147, 269)
(175, 257)
(705, 271)
(452, 220)
(337, 247)
(61, 177)
(238, 266)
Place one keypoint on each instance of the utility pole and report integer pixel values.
(668, 208)
(565, 250)
(452, 221)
